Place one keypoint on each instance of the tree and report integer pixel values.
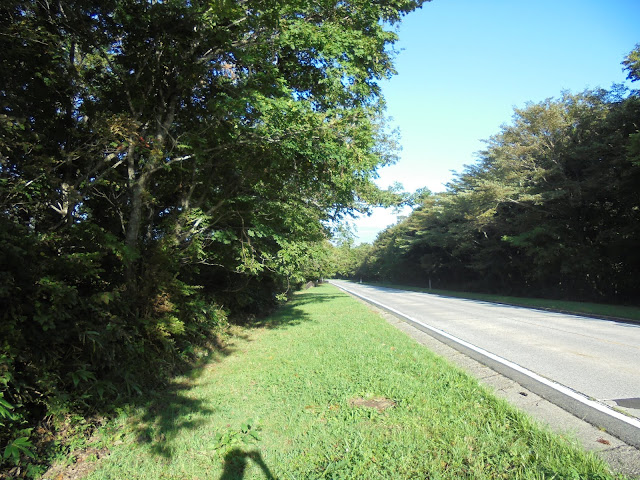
(158, 158)
(632, 64)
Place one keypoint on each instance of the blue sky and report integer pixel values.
(465, 64)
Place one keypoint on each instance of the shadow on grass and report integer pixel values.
(291, 314)
(165, 414)
(171, 409)
(235, 464)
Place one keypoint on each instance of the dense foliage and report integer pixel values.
(163, 163)
(551, 208)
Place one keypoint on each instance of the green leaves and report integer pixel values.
(6, 410)
(247, 434)
(17, 447)
(20, 445)
(632, 64)
(80, 376)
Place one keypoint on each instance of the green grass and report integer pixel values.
(279, 404)
(624, 312)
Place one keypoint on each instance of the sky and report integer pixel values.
(463, 65)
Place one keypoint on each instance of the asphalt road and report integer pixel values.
(600, 359)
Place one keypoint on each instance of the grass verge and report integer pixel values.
(327, 389)
(622, 312)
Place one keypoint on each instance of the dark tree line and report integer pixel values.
(164, 164)
(551, 208)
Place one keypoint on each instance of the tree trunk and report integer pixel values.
(136, 187)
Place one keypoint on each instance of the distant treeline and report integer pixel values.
(551, 208)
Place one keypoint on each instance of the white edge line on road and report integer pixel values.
(556, 386)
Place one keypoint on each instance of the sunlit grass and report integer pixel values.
(598, 309)
(282, 404)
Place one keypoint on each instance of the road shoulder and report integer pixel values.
(621, 457)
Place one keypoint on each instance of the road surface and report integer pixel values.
(599, 359)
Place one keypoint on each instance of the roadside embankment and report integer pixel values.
(327, 388)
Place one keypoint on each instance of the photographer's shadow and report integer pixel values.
(235, 463)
